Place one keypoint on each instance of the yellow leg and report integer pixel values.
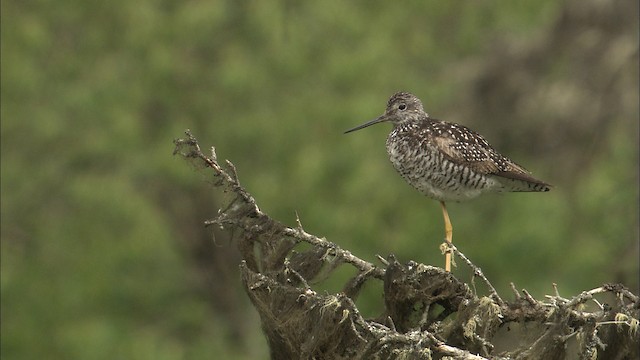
(448, 231)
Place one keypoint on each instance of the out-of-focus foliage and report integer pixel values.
(103, 255)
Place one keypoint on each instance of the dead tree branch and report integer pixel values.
(428, 314)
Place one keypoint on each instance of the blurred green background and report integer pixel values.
(104, 254)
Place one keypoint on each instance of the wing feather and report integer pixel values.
(464, 146)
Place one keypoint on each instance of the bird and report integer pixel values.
(447, 161)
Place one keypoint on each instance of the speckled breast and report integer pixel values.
(425, 168)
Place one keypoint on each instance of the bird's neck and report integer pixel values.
(412, 124)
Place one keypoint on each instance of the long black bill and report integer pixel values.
(372, 122)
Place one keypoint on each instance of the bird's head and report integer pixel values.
(402, 107)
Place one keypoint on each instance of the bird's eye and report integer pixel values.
(402, 106)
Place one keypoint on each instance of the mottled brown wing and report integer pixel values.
(464, 146)
(469, 153)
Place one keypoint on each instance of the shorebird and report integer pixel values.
(447, 161)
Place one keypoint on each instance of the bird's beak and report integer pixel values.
(379, 119)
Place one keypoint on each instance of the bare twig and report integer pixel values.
(477, 272)
(190, 149)
(515, 291)
(335, 250)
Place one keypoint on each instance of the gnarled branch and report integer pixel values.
(428, 311)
